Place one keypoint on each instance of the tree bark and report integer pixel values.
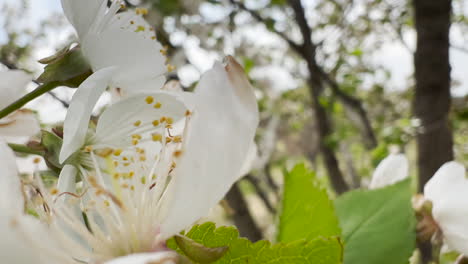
(242, 217)
(316, 86)
(431, 103)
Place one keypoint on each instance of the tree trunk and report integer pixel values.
(432, 98)
(431, 102)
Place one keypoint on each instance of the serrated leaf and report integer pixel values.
(378, 225)
(198, 252)
(307, 212)
(241, 250)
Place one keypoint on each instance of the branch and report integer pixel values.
(296, 47)
(242, 217)
(263, 196)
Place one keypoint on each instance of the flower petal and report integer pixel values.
(128, 43)
(76, 122)
(11, 194)
(446, 177)
(165, 257)
(20, 123)
(221, 131)
(81, 14)
(390, 170)
(12, 85)
(448, 192)
(135, 115)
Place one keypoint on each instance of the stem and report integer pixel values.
(40, 90)
(24, 149)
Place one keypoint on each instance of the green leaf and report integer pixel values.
(67, 66)
(307, 212)
(198, 252)
(241, 250)
(378, 225)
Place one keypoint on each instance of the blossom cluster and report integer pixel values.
(157, 159)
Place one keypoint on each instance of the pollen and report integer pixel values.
(149, 99)
(136, 136)
(187, 113)
(177, 153)
(168, 140)
(156, 123)
(140, 29)
(88, 148)
(157, 105)
(156, 137)
(116, 175)
(124, 158)
(36, 160)
(132, 22)
(153, 37)
(104, 152)
(142, 158)
(143, 180)
(153, 177)
(170, 68)
(124, 185)
(131, 174)
(132, 188)
(169, 126)
(141, 11)
(137, 123)
(162, 119)
(54, 191)
(169, 120)
(106, 203)
(163, 52)
(117, 152)
(116, 163)
(135, 142)
(177, 139)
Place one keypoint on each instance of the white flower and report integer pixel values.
(448, 192)
(390, 170)
(133, 198)
(21, 122)
(123, 53)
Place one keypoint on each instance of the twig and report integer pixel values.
(263, 196)
(242, 216)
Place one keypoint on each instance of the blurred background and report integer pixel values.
(335, 82)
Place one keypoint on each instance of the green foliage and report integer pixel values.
(307, 212)
(52, 145)
(241, 250)
(378, 225)
(197, 251)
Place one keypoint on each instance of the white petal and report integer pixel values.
(76, 122)
(221, 130)
(134, 115)
(82, 13)
(448, 192)
(11, 194)
(137, 86)
(390, 170)
(136, 55)
(147, 258)
(20, 123)
(12, 86)
(445, 177)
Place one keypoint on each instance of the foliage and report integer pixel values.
(241, 250)
(307, 212)
(378, 225)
